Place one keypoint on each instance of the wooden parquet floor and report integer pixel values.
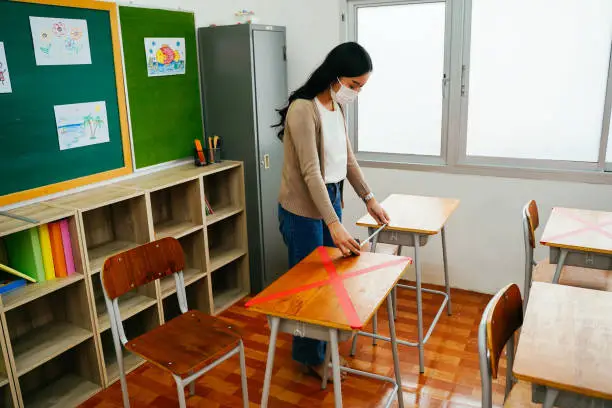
(451, 378)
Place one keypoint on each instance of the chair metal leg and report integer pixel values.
(326, 365)
(181, 391)
(551, 397)
(274, 323)
(396, 366)
(243, 377)
(446, 280)
(560, 264)
(335, 356)
(417, 262)
(120, 367)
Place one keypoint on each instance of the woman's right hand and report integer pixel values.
(343, 240)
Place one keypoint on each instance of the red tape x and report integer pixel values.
(336, 281)
(589, 227)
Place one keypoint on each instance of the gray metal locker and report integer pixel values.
(244, 81)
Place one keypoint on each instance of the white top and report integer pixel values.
(334, 142)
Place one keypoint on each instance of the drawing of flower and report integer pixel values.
(59, 29)
(76, 33)
(44, 36)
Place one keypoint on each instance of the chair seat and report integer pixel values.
(597, 279)
(520, 397)
(186, 343)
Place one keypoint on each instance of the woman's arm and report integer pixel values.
(301, 125)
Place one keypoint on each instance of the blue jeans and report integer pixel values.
(302, 236)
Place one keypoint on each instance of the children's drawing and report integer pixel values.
(81, 124)
(5, 79)
(60, 41)
(165, 56)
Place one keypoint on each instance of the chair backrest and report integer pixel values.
(530, 211)
(501, 319)
(531, 221)
(130, 269)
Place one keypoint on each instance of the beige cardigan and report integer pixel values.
(303, 191)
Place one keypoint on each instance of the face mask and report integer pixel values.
(345, 94)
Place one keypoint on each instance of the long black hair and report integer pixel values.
(345, 60)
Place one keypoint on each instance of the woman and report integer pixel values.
(318, 157)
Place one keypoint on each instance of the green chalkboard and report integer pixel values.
(165, 111)
(31, 162)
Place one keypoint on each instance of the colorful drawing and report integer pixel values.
(5, 79)
(81, 124)
(60, 41)
(165, 56)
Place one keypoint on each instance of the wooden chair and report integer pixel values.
(544, 271)
(187, 346)
(500, 321)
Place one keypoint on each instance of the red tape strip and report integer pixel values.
(343, 297)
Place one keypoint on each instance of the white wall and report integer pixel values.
(485, 247)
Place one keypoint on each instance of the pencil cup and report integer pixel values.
(196, 158)
(214, 155)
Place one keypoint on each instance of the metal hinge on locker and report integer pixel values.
(265, 162)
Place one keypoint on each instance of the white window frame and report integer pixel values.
(353, 7)
(453, 158)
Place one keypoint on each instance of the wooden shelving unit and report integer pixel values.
(55, 336)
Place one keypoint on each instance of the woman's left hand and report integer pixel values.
(377, 212)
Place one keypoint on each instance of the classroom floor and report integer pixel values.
(451, 378)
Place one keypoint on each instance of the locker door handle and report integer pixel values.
(266, 161)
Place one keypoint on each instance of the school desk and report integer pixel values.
(566, 341)
(579, 238)
(327, 297)
(414, 219)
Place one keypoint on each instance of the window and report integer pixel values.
(537, 78)
(408, 57)
(495, 83)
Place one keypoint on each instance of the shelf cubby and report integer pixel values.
(195, 263)
(113, 228)
(177, 210)
(32, 291)
(230, 284)
(197, 298)
(225, 194)
(226, 241)
(48, 326)
(134, 326)
(64, 381)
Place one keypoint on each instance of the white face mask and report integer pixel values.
(345, 94)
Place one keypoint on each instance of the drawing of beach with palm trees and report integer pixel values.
(81, 124)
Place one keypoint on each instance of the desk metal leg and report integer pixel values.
(396, 365)
(446, 280)
(326, 365)
(560, 263)
(335, 356)
(394, 299)
(417, 263)
(551, 397)
(274, 323)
